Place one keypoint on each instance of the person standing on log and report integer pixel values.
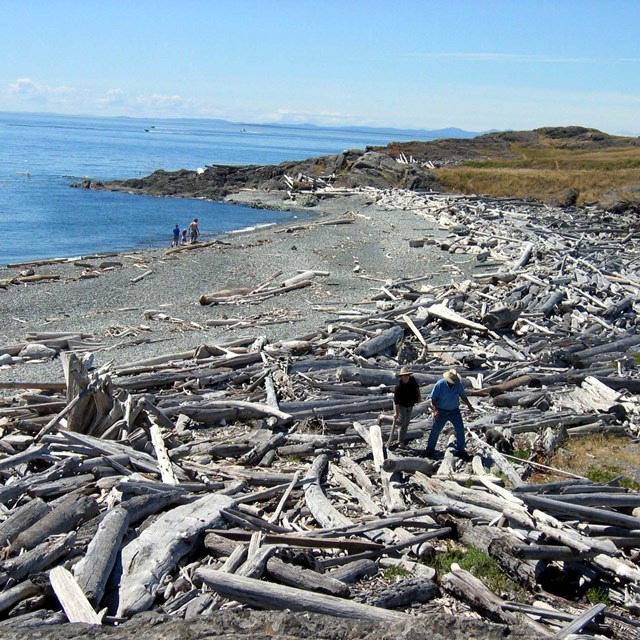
(405, 396)
(194, 231)
(445, 402)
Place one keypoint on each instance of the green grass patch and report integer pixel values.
(479, 563)
(598, 595)
(602, 475)
(523, 454)
(607, 473)
(393, 573)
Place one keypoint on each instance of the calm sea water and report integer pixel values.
(41, 216)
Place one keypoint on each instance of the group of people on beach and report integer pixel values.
(445, 397)
(180, 237)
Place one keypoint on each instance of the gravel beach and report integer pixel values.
(357, 257)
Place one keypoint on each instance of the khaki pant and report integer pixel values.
(402, 422)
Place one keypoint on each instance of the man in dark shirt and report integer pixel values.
(405, 396)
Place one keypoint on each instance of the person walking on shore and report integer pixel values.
(405, 396)
(445, 402)
(176, 236)
(194, 231)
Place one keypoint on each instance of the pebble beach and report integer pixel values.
(161, 313)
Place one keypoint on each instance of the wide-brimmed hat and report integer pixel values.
(451, 376)
(405, 371)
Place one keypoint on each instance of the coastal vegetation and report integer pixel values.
(558, 165)
(602, 459)
(543, 173)
(479, 563)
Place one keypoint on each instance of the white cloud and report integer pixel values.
(324, 118)
(120, 102)
(26, 88)
(112, 97)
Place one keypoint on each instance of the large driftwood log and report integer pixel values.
(214, 411)
(289, 539)
(255, 564)
(319, 505)
(408, 465)
(306, 579)
(500, 318)
(260, 449)
(580, 621)
(265, 595)
(93, 571)
(14, 490)
(376, 377)
(470, 589)
(443, 312)
(21, 518)
(63, 518)
(502, 545)
(379, 343)
(12, 596)
(37, 559)
(592, 514)
(353, 571)
(406, 592)
(147, 559)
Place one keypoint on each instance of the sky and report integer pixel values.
(418, 64)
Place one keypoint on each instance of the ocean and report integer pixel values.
(41, 155)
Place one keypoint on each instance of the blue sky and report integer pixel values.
(478, 65)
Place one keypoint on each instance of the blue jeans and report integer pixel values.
(455, 418)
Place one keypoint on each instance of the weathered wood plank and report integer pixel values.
(76, 606)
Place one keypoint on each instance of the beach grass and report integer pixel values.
(543, 172)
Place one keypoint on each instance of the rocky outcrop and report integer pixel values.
(348, 169)
(406, 165)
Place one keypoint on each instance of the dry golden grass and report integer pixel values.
(541, 173)
(599, 458)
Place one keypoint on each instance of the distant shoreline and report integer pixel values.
(207, 236)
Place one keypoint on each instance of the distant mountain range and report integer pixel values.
(448, 132)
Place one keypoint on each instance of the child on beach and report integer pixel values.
(176, 236)
(183, 240)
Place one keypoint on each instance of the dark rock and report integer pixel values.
(272, 625)
(625, 200)
(566, 198)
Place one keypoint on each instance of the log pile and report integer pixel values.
(250, 473)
